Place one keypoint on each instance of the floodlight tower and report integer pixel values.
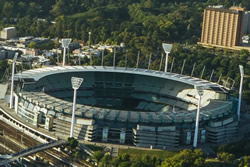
(12, 80)
(240, 90)
(200, 90)
(65, 45)
(76, 83)
(167, 49)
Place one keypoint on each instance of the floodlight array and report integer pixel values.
(66, 42)
(76, 82)
(167, 47)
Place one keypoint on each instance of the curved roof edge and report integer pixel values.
(39, 73)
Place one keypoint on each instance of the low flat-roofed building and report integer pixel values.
(8, 33)
(6, 54)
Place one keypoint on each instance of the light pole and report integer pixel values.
(12, 80)
(149, 61)
(65, 45)
(200, 90)
(89, 39)
(138, 58)
(161, 61)
(103, 56)
(126, 58)
(114, 57)
(240, 90)
(76, 83)
(167, 49)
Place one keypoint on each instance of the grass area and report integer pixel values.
(94, 147)
(162, 154)
(214, 162)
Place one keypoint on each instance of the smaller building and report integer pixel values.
(6, 54)
(247, 22)
(25, 39)
(245, 39)
(8, 33)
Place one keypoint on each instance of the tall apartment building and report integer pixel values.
(222, 27)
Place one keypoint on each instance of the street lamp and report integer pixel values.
(114, 57)
(12, 80)
(65, 44)
(167, 48)
(103, 55)
(76, 83)
(89, 39)
(200, 89)
(240, 90)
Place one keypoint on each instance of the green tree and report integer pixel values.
(105, 161)
(187, 158)
(3, 67)
(98, 155)
(22, 6)
(73, 143)
(52, 60)
(226, 157)
(32, 45)
(32, 9)
(246, 4)
(245, 162)
(124, 164)
(8, 9)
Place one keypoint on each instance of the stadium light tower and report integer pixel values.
(65, 45)
(240, 90)
(12, 80)
(76, 83)
(200, 89)
(167, 49)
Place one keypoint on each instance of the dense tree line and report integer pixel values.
(143, 24)
(185, 158)
(140, 24)
(235, 154)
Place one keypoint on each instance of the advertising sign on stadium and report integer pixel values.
(105, 134)
(122, 135)
(227, 121)
(188, 137)
(216, 124)
(167, 128)
(203, 136)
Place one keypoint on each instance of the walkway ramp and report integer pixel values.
(30, 151)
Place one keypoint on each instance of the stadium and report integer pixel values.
(139, 107)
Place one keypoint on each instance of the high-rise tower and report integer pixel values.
(222, 27)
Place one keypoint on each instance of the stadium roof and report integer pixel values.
(58, 107)
(36, 74)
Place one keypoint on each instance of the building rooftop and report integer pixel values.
(9, 28)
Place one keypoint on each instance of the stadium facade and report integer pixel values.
(129, 106)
